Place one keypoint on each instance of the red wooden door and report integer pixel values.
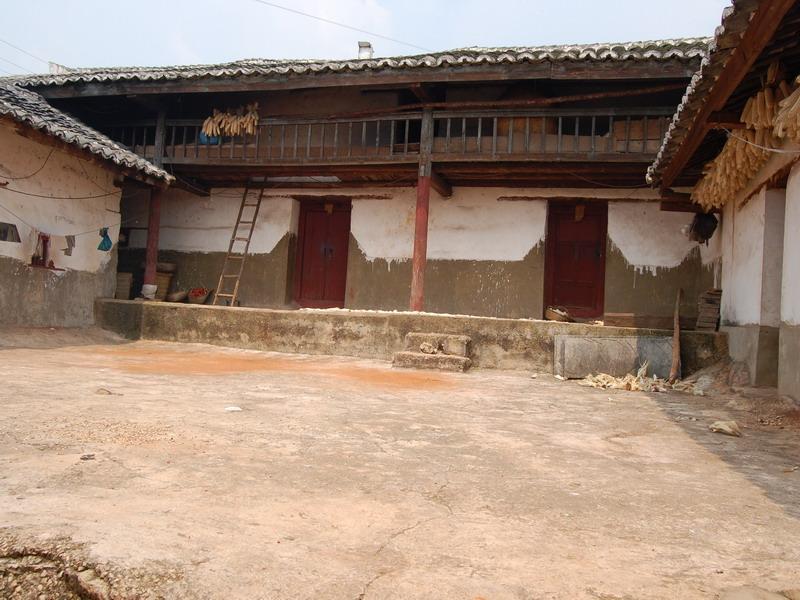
(575, 260)
(323, 239)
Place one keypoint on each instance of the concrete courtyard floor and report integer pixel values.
(343, 478)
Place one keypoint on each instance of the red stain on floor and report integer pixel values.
(164, 361)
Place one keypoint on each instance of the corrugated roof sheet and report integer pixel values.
(680, 49)
(734, 22)
(29, 108)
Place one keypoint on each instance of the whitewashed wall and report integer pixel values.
(752, 260)
(790, 286)
(651, 239)
(191, 223)
(501, 224)
(62, 175)
(473, 224)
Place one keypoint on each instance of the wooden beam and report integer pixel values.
(441, 185)
(153, 227)
(725, 120)
(420, 254)
(762, 26)
(683, 206)
(591, 70)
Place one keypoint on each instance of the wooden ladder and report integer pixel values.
(237, 255)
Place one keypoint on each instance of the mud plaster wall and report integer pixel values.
(485, 254)
(649, 258)
(44, 297)
(195, 232)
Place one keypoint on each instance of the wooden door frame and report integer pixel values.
(549, 269)
(305, 203)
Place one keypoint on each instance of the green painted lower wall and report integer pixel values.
(482, 288)
(651, 295)
(38, 297)
(266, 280)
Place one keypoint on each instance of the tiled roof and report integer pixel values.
(29, 108)
(734, 22)
(679, 49)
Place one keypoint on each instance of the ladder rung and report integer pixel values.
(245, 222)
(230, 276)
(249, 204)
(241, 239)
(225, 295)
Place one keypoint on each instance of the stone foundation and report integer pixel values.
(496, 343)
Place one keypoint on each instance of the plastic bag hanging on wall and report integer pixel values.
(105, 244)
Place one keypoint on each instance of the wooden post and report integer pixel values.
(153, 225)
(154, 218)
(420, 255)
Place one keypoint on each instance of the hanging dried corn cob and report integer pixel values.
(230, 123)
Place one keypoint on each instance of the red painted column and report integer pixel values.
(153, 225)
(420, 256)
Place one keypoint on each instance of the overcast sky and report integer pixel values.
(85, 33)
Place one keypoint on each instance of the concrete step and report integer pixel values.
(447, 343)
(439, 362)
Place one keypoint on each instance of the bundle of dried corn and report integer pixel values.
(787, 121)
(743, 155)
(638, 383)
(244, 120)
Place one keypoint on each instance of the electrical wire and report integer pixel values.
(338, 24)
(36, 172)
(47, 62)
(602, 184)
(11, 62)
(759, 146)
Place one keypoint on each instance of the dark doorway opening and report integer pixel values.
(323, 239)
(575, 259)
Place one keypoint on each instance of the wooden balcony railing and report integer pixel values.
(544, 135)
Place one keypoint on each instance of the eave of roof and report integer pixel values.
(29, 108)
(685, 49)
(735, 19)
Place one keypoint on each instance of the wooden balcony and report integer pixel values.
(596, 135)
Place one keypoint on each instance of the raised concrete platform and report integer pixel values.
(576, 357)
(496, 343)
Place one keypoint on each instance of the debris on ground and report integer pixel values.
(233, 409)
(639, 383)
(106, 392)
(726, 427)
(556, 313)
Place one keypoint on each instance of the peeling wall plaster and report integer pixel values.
(471, 225)
(62, 175)
(650, 238)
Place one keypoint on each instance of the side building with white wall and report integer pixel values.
(59, 212)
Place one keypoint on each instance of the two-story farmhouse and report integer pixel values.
(482, 181)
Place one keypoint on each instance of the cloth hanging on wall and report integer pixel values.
(105, 244)
(70, 239)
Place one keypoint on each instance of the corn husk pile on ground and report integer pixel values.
(769, 116)
(638, 383)
(243, 120)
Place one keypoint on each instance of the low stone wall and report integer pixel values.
(496, 343)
